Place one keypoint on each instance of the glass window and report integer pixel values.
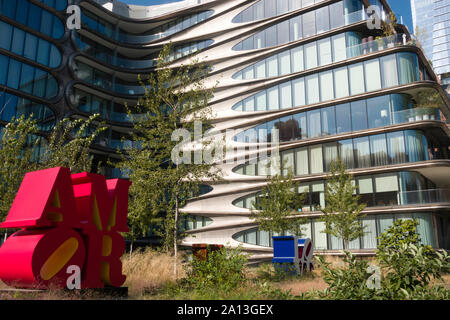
(270, 8)
(297, 59)
(34, 17)
(309, 24)
(260, 40)
(322, 19)
(260, 101)
(386, 189)
(396, 147)
(316, 159)
(320, 238)
(26, 81)
(46, 22)
(359, 115)
(356, 73)
(341, 82)
(300, 126)
(270, 39)
(369, 240)
(18, 41)
(55, 57)
(346, 153)
(336, 15)
(343, 118)
(272, 95)
(22, 9)
(301, 161)
(248, 73)
(43, 52)
(384, 222)
(326, 86)
(285, 62)
(298, 87)
(283, 32)
(4, 69)
(389, 71)
(408, 67)
(330, 154)
(339, 47)
(416, 146)
(310, 55)
(312, 89)
(272, 66)
(328, 121)
(378, 111)
(324, 51)
(362, 152)
(5, 39)
(249, 104)
(296, 28)
(14, 72)
(378, 150)
(373, 77)
(285, 95)
(287, 162)
(260, 69)
(314, 128)
(30, 46)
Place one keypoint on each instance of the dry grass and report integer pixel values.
(148, 269)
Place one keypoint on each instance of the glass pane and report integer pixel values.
(310, 55)
(346, 153)
(312, 89)
(272, 95)
(369, 240)
(297, 59)
(320, 238)
(373, 77)
(298, 88)
(336, 15)
(359, 115)
(314, 128)
(356, 73)
(322, 19)
(316, 160)
(309, 24)
(285, 62)
(343, 118)
(341, 82)
(330, 154)
(301, 164)
(379, 150)
(14, 72)
(396, 147)
(285, 95)
(389, 71)
(324, 51)
(378, 111)
(272, 66)
(362, 152)
(408, 68)
(296, 27)
(328, 121)
(326, 86)
(339, 47)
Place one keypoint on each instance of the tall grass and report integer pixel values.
(148, 269)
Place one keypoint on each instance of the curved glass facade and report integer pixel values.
(107, 109)
(15, 106)
(397, 147)
(380, 190)
(375, 225)
(33, 16)
(367, 76)
(343, 118)
(270, 8)
(316, 54)
(55, 4)
(189, 48)
(26, 78)
(107, 55)
(107, 29)
(191, 222)
(302, 26)
(29, 46)
(105, 81)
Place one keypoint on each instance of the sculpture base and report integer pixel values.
(105, 293)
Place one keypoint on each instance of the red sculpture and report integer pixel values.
(65, 220)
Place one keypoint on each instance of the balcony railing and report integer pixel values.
(404, 198)
(416, 114)
(380, 44)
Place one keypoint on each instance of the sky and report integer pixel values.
(400, 7)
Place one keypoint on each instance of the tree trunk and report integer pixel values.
(175, 238)
(131, 246)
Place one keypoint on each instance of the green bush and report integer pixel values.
(407, 269)
(222, 270)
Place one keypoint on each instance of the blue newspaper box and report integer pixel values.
(285, 254)
(292, 254)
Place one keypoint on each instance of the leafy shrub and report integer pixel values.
(407, 269)
(223, 270)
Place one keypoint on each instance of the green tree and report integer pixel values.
(22, 150)
(277, 206)
(343, 210)
(16, 159)
(175, 100)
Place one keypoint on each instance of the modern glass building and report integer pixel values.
(314, 70)
(432, 17)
